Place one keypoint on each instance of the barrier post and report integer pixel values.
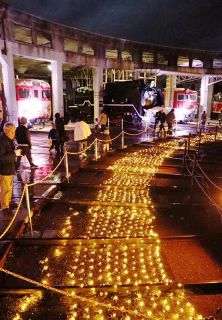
(188, 146)
(199, 142)
(67, 166)
(96, 149)
(216, 133)
(122, 136)
(28, 207)
(147, 133)
(184, 156)
(122, 140)
(108, 122)
(193, 172)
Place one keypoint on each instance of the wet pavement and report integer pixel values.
(118, 238)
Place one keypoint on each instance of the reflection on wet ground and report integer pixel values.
(111, 263)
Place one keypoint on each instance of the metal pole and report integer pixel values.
(193, 172)
(96, 149)
(28, 206)
(216, 133)
(184, 155)
(122, 137)
(188, 147)
(147, 132)
(199, 142)
(67, 166)
(122, 140)
(108, 122)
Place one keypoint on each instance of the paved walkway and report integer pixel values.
(45, 178)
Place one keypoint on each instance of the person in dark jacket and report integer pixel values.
(7, 165)
(162, 118)
(22, 136)
(61, 132)
(157, 119)
(53, 137)
(170, 119)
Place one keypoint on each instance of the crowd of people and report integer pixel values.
(15, 143)
(161, 118)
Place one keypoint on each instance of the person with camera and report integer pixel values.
(8, 156)
(22, 136)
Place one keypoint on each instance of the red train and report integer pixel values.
(34, 99)
(185, 104)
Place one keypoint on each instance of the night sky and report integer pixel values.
(183, 23)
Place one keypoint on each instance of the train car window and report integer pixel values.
(36, 93)
(36, 83)
(180, 97)
(45, 94)
(24, 93)
(193, 97)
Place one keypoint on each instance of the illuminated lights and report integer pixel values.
(126, 272)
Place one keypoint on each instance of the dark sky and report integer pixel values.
(183, 23)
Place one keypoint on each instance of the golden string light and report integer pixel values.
(128, 275)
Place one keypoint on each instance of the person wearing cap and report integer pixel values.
(62, 137)
(22, 136)
(7, 165)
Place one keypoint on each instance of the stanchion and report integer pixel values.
(122, 140)
(148, 133)
(193, 173)
(28, 207)
(216, 133)
(67, 166)
(188, 145)
(122, 136)
(199, 142)
(184, 156)
(96, 149)
(108, 123)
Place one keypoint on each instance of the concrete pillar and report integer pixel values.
(98, 89)
(8, 77)
(57, 87)
(170, 86)
(206, 95)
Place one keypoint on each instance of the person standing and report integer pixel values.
(162, 119)
(22, 136)
(81, 132)
(157, 119)
(60, 127)
(103, 120)
(107, 142)
(53, 137)
(170, 119)
(7, 165)
(203, 120)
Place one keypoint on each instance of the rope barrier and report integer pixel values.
(219, 209)
(77, 297)
(79, 152)
(209, 198)
(109, 140)
(48, 175)
(15, 215)
(135, 134)
(208, 179)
